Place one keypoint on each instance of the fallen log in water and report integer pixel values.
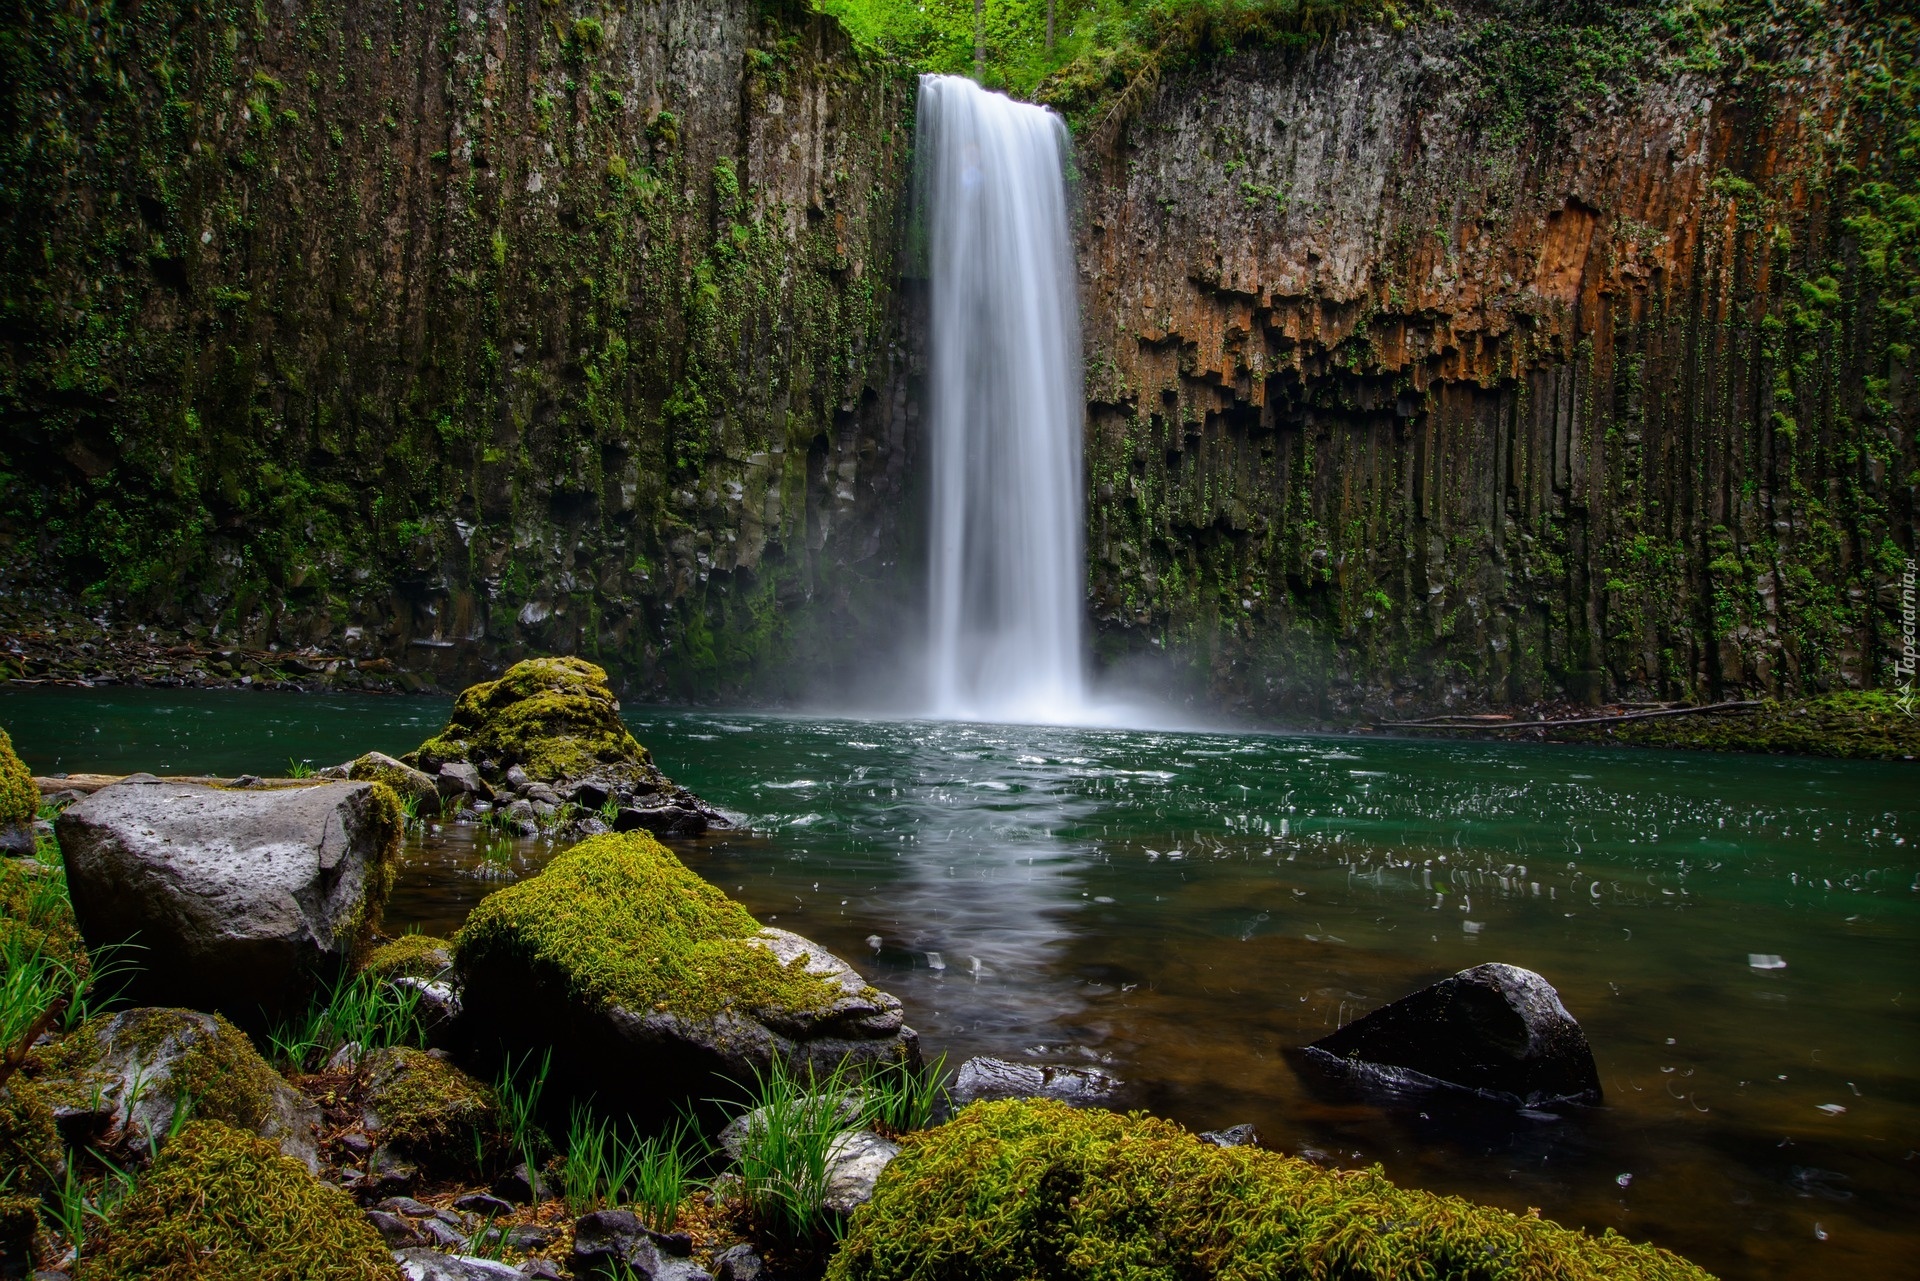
(1484, 723)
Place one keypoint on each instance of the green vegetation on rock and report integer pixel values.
(553, 717)
(19, 798)
(222, 1205)
(420, 956)
(1033, 1190)
(426, 1107)
(1858, 724)
(618, 919)
(30, 1153)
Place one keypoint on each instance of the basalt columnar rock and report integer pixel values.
(548, 733)
(240, 901)
(121, 1081)
(652, 987)
(1495, 1029)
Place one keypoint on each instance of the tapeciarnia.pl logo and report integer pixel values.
(1903, 659)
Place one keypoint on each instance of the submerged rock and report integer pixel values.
(238, 901)
(549, 731)
(123, 1079)
(649, 983)
(1495, 1029)
(990, 1078)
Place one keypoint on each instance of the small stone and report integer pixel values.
(1234, 1136)
(432, 1265)
(443, 1235)
(517, 778)
(544, 1269)
(396, 1231)
(458, 778)
(405, 1205)
(855, 1161)
(484, 1203)
(391, 1173)
(521, 1186)
(990, 1078)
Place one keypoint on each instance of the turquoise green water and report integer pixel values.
(1185, 908)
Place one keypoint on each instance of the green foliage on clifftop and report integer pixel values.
(618, 919)
(222, 1205)
(1034, 1191)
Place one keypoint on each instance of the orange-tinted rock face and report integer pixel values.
(1390, 404)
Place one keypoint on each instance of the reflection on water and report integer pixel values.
(1188, 907)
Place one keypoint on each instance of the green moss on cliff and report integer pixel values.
(1862, 725)
(618, 919)
(222, 1205)
(1033, 1191)
(553, 717)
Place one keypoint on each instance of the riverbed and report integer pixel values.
(1735, 933)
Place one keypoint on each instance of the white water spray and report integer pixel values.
(1007, 578)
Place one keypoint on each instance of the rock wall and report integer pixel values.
(1422, 377)
(448, 331)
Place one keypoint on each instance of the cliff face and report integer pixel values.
(1477, 362)
(1409, 389)
(449, 330)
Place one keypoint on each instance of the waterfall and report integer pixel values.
(1005, 404)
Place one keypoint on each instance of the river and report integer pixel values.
(1184, 908)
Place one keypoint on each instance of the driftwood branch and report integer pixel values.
(1483, 724)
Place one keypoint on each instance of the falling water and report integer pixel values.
(1005, 405)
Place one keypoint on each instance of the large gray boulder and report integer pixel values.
(120, 1082)
(1495, 1029)
(237, 901)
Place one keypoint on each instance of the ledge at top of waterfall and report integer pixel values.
(1006, 575)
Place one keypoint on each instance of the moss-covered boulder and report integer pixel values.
(648, 982)
(222, 1205)
(19, 801)
(123, 1078)
(417, 956)
(549, 732)
(425, 1108)
(242, 901)
(1035, 1190)
(414, 788)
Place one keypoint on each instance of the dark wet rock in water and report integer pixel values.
(239, 901)
(122, 1081)
(989, 1078)
(614, 1243)
(1495, 1029)
(432, 1265)
(1234, 1136)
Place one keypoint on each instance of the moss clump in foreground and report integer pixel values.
(19, 798)
(30, 1152)
(619, 919)
(420, 956)
(221, 1205)
(1029, 1190)
(1862, 725)
(427, 1108)
(36, 916)
(553, 717)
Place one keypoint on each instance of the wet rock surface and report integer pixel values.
(239, 900)
(986, 1078)
(1495, 1029)
(613, 1244)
